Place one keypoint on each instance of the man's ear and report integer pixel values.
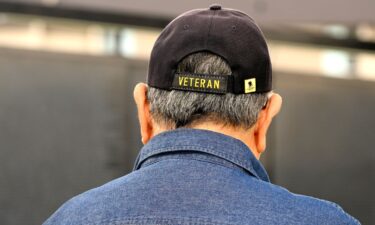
(144, 116)
(265, 117)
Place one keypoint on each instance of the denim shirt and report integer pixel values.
(190, 176)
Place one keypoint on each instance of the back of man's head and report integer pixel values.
(209, 69)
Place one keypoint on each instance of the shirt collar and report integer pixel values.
(213, 143)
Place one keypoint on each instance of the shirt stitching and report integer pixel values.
(245, 165)
(159, 220)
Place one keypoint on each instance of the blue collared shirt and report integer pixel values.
(191, 176)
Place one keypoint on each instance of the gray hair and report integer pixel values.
(175, 108)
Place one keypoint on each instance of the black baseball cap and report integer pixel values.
(229, 33)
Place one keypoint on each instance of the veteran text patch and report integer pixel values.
(201, 82)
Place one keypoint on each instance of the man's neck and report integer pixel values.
(246, 136)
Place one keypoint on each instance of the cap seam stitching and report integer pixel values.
(219, 76)
(209, 29)
(199, 89)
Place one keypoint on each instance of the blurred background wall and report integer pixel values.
(68, 122)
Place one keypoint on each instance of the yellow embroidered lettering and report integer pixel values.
(196, 82)
(209, 84)
(191, 81)
(216, 84)
(203, 81)
(185, 81)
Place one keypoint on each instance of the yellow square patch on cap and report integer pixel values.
(250, 85)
